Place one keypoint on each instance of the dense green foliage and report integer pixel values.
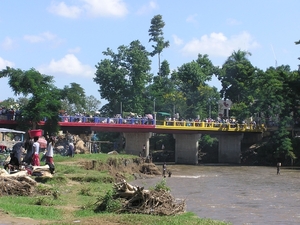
(123, 78)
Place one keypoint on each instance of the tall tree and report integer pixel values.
(235, 76)
(156, 36)
(297, 43)
(75, 96)
(277, 102)
(161, 88)
(189, 79)
(122, 78)
(92, 104)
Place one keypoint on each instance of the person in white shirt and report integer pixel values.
(49, 154)
(36, 150)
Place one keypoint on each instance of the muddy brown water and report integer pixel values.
(237, 194)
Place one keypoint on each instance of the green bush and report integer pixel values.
(108, 203)
(162, 185)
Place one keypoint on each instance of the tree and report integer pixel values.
(270, 91)
(278, 103)
(235, 76)
(123, 77)
(92, 104)
(190, 79)
(156, 36)
(9, 103)
(161, 89)
(22, 101)
(44, 101)
(74, 96)
(297, 43)
(209, 105)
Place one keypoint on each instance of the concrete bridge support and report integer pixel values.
(135, 141)
(186, 148)
(230, 148)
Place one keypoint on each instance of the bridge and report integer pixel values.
(138, 131)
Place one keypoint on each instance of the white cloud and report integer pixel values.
(192, 19)
(105, 8)
(64, 10)
(46, 36)
(217, 44)
(93, 8)
(74, 50)
(7, 43)
(232, 22)
(42, 38)
(177, 40)
(4, 63)
(147, 8)
(69, 65)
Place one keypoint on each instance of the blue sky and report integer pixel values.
(65, 39)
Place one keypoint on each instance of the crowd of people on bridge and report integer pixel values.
(9, 113)
(132, 118)
(209, 122)
(117, 119)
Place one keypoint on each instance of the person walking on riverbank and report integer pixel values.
(71, 150)
(164, 169)
(278, 168)
(36, 150)
(49, 155)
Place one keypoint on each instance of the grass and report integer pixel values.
(73, 191)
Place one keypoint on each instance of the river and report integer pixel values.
(242, 195)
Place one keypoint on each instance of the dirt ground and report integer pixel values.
(6, 219)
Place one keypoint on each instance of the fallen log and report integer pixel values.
(46, 167)
(21, 173)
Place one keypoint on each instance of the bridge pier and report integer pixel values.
(230, 148)
(135, 141)
(186, 148)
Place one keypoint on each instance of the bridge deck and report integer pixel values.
(144, 125)
(209, 126)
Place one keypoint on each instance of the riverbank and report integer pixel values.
(71, 195)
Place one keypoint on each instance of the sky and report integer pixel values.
(65, 39)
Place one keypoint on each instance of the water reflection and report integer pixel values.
(237, 194)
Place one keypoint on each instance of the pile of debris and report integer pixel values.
(64, 140)
(16, 184)
(136, 199)
(19, 182)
